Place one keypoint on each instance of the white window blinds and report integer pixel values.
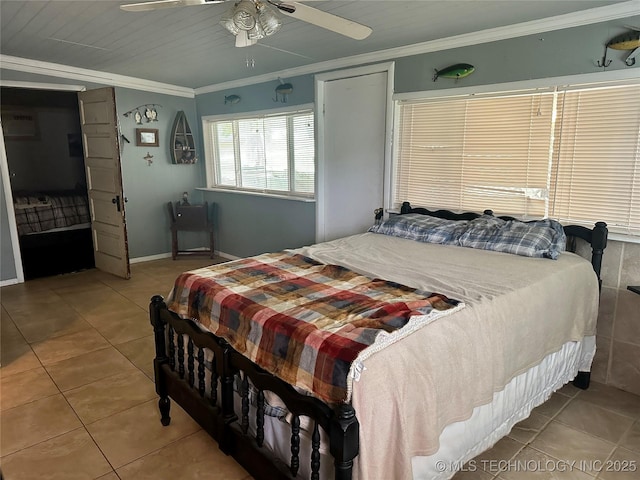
(597, 160)
(571, 154)
(274, 153)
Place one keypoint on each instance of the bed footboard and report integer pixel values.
(205, 376)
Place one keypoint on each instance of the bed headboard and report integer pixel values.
(596, 236)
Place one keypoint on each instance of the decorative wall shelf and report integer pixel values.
(182, 146)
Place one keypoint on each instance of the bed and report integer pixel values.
(499, 344)
(54, 229)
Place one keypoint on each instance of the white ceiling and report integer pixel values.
(187, 47)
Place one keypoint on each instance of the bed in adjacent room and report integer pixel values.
(449, 349)
(54, 229)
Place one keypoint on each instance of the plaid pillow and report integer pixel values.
(422, 228)
(538, 238)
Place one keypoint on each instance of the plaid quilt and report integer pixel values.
(39, 213)
(305, 322)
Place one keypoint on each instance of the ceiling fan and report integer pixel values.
(251, 20)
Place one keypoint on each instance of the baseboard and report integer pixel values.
(150, 258)
(11, 281)
(160, 256)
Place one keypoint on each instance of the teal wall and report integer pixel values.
(148, 188)
(247, 224)
(571, 51)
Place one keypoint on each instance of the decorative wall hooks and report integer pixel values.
(147, 112)
(149, 159)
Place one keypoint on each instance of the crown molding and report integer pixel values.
(569, 20)
(559, 22)
(58, 70)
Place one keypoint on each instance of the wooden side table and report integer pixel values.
(190, 218)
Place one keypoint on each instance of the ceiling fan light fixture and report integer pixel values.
(227, 22)
(244, 15)
(268, 20)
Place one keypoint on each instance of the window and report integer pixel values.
(273, 154)
(570, 153)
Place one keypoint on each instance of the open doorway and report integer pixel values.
(43, 143)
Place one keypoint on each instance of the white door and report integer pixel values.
(353, 144)
(98, 119)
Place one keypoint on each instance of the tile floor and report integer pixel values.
(77, 399)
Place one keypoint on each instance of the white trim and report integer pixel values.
(94, 76)
(150, 258)
(161, 256)
(614, 75)
(569, 20)
(621, 237)
(42, 86)
(8, 200)
(305, 107)
(6, 283)
(229, 256)
(257, 194)
(320, 81)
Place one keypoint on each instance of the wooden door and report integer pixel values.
(98, 119)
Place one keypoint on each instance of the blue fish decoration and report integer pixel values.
(459, 70)
(232, 99)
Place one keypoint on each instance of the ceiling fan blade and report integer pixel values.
(340, 25)
(154, 5)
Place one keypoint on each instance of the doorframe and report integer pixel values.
(320, 87)
(6, 178)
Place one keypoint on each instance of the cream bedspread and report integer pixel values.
(519, 309)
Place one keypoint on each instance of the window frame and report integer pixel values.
(562, 84)
(211, 157)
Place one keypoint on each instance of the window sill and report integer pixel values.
(259, 194)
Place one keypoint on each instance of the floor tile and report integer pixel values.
(16, 359)
(588, 417)
(528, 428)
(531, 464)
(71, 456)
(141, 353)
(49, 321)
(505, 449)
(110, 395)
(623, 465)
(61, 348)
(631, 440)
(551, 407)
(89, 367)
(134, 433)
(25, 387)
(123, 325)
(36, 422)
(568, 444)
(196, 456)
(612, 398)
(475, 474)
(109, 476)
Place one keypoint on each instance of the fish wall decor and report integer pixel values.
(231, 99)
(459, 70)
(282, 92)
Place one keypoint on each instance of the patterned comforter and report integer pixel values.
(39, 213)
(308, 323)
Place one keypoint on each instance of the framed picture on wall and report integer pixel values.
(147, 137)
